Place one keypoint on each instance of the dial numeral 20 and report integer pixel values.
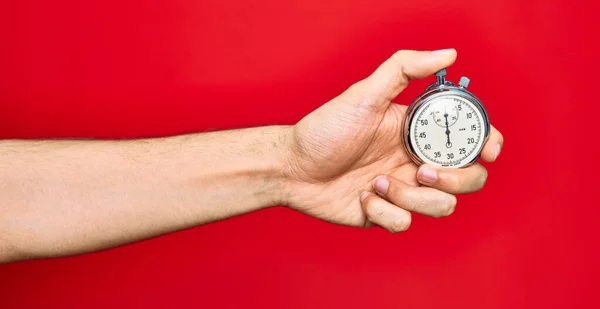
(470, 140)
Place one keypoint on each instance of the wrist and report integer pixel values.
(287, 173)
(280, 175)
(272, 165)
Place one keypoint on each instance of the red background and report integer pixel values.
(124, 69)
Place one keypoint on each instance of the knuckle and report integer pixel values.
(400, 54)
(8, 251)
(500, 137)
(400, 225)
(448, 207)
(457, 185)
(360, 94)
(482, 179)
(375, 210)
(412, 203)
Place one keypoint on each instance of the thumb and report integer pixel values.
(393, 75)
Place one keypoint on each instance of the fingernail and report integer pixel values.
(498, 148)
(442, 51)
(381, 184)
(427, 174)
(363, 196)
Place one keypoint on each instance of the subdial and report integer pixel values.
(445, 113)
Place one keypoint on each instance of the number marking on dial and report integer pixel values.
(456, 135)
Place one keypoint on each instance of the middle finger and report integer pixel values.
(419, 199)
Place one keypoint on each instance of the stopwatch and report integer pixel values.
(446, 125)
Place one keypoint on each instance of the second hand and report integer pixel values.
(448, 143)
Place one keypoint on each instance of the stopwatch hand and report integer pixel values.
(448, 143)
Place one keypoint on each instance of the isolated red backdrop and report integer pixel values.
(124, 69)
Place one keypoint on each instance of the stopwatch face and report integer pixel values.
(447, 130)
(443, 113)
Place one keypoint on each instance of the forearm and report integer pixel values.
(62, 198)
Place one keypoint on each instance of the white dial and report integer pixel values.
(448, 131)
(446, 111)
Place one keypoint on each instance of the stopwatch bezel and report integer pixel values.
(435, 91)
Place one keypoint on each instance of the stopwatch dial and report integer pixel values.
(445, 112)
(457, 136)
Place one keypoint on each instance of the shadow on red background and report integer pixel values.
(124, 69)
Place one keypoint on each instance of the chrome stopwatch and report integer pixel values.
(446, 125)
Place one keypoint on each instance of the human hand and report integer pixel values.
(350, 148)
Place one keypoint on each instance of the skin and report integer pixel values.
(342, 163)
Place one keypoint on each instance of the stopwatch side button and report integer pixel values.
(441, 77)
(464, 82)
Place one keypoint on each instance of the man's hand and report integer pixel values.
(350, 147)
(69, 197)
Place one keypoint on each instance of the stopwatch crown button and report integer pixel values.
(464, 82)
(441, 74)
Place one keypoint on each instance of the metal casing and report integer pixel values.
(435, 91)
